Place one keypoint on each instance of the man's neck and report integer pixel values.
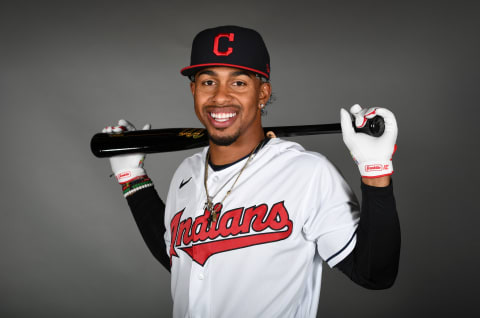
(243, 146)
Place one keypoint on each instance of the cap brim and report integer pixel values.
(193, 69)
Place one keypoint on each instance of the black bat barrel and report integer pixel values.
(147, 141)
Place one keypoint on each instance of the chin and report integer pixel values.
(224, 140)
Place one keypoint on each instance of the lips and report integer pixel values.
(222, 117)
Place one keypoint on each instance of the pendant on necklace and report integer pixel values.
(214, 211)
(208, 205)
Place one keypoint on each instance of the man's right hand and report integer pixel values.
(126, 167)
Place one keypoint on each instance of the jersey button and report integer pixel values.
(201, 277)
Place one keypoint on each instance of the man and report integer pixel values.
(249, 220)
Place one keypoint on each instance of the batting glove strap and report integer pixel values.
(124, 176)
(375, 169)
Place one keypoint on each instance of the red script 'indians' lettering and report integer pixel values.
(237, 228)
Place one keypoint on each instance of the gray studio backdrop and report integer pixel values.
(68, 244)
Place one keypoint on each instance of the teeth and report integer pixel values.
(222, 116)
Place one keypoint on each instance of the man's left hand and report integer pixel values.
(373, 155)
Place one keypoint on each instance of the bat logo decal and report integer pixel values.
(192, 133)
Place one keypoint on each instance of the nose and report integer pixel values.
(221, 95)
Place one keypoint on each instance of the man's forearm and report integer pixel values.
(149, 211)
(374, 261)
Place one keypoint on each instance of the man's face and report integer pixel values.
(227, 102)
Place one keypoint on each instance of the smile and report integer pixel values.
(222, 117)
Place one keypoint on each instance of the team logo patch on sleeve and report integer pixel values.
(235, 229)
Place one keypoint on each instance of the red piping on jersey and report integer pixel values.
(225, 64)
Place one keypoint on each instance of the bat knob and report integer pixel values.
(374, 127)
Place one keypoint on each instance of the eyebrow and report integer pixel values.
(241, 72)
(206, 72)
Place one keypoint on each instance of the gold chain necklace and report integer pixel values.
(209, 204)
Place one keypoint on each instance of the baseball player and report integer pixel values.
(250, 220)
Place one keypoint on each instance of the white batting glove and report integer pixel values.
(126, 167)
(373, 155)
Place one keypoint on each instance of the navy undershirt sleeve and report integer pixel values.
(148, 210)
(373, 263)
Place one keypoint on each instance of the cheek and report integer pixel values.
(197, 110)
(251, 101)
(200, 98)
(197, 105)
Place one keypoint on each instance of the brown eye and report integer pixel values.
(208, 83)
(239, 83)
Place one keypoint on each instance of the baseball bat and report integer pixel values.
(174, 139)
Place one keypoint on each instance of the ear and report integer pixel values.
(265, 93)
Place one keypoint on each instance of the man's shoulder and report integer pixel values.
(291, 150)
(291, 157)
(194, 161)
(190, 168)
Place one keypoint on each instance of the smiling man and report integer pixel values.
(250, 221)
(223, 93)
(227, 103)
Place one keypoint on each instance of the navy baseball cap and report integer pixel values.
(231, 46)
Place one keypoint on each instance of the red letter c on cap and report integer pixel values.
(230, 37)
